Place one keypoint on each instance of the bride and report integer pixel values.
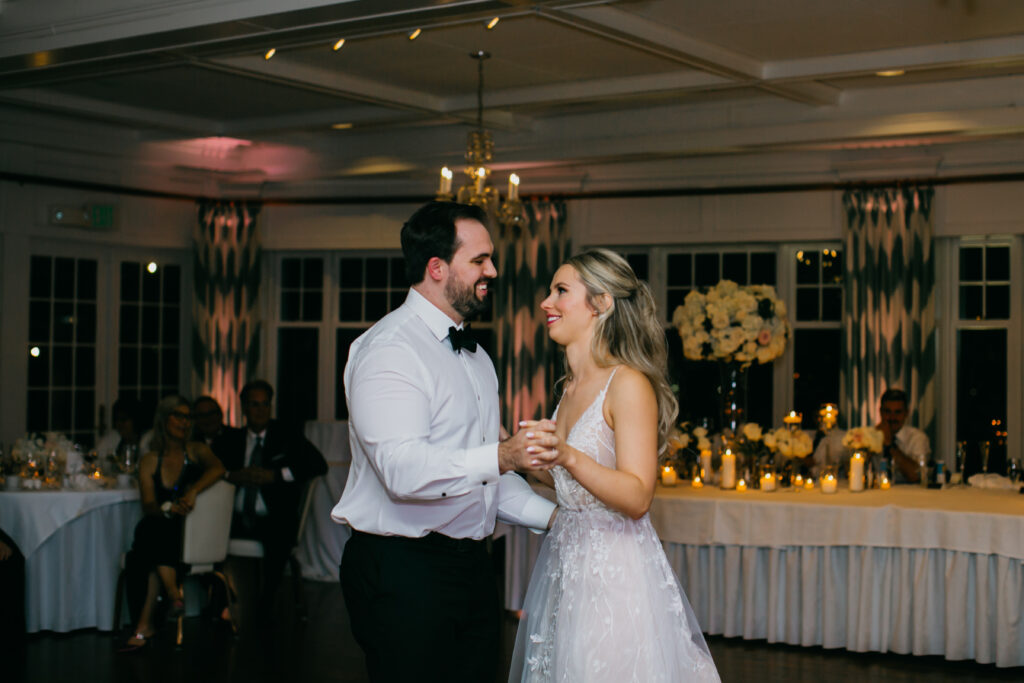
(603, 603)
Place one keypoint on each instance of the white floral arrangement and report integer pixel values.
(733, 323)
(791, 443)
(863, 439)
(36, 448)
(754, 442)
(685, 439)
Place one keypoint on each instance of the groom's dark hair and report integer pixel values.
(430, 232)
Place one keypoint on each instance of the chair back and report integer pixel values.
(208, 526)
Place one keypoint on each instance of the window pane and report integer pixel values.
(64, 280)
(128, 366)
(398, 279)
(673, 299)
(376, 272)
(63, 321)
(172, 284)
(151, 287)
(149, 366)
(171, 325)
(312, 306)
(313, 273)
(376, 305)
(85, 366)
(832, 268)
(39, 368)
(169, 368)
(351, 273)
(396, 299)
(297, 374)
(351, 307)
(150, 325)
(762, 268)
(831, 303)
(85, 323)
(86, 280)
(291, 273)
(807, 268)
(680, 270)
(38, 411)
(40, 273)
(290, 306)
(706, 270)
(981, 396)
(971, 302)
(343, 340)
(997, 263)
(970, 264)
(734, 267)
(60, 410)
(129, 324)
(997, 302)
(638, 262)
(61, 366)
(807, 303)
(130, 273)
(39, 321)
(815, 371)
(83, 409)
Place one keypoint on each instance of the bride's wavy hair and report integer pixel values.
(627, 331)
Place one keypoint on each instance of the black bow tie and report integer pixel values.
(461, 339)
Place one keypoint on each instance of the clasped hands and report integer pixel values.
(535, 447)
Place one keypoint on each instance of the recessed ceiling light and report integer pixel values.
(270, 53)
(493, 22)
(890, 73)
(341, 126)
(337, 45)
(415, 34)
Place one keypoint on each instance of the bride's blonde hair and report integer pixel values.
(627, 330)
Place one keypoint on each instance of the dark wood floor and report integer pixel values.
(322, 650)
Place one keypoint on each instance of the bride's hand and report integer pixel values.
(530, 448)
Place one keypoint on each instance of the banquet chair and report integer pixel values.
(204, 545)
(253, 548)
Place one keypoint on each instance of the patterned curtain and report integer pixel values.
(225, 311)
(889, 303)
(528, 362)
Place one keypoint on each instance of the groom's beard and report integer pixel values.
(464, 299)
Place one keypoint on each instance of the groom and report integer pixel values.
(429, 475)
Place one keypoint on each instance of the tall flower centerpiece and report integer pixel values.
(734, 326)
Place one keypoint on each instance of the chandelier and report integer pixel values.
(480, 151)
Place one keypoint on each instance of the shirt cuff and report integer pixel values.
(482, 465)
(286, 474)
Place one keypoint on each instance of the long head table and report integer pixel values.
(907, 570)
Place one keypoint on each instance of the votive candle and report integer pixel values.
(669, 477)
(697, 483)
(829, 483)
(741, 485)
(857, 473)
(809, 484)
(768, 481)
(884, 483)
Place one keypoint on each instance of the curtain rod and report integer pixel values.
(22, 178)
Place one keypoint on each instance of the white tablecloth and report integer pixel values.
(910, 570)
(72, 542)
(322, 540)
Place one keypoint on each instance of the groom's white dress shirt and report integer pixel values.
(424, 427)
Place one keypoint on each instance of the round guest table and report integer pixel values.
(72, 542)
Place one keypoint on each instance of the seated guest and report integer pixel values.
(127, 422)
(170, 477)
(906, 446)
(207, 421)
(12, 608)
(270, 464)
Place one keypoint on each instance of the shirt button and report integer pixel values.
(444, 495)
(485, 483)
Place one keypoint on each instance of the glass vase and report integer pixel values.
(732, 396)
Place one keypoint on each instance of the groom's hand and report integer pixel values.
(533, 447)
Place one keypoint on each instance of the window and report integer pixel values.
(698, 381)
(817, 335)
(982, 334)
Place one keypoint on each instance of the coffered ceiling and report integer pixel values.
(602, 96)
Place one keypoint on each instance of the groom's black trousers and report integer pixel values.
(423, 609)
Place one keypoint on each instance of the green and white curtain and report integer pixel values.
(225, 302)
(528, 362)
(889, 303)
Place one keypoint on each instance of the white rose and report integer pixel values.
(752, 431)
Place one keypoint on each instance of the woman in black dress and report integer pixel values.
(170, 477)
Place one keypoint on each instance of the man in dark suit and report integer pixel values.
(271, 466)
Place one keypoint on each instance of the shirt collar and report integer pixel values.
(436, 320)
(252, 436)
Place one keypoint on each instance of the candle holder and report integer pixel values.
(858, 465)
(793, 421)
(769, 478)
(728, 475)
(669, 476)
(829, 480)
(741, 485)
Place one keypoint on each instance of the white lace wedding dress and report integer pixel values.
(603, 603)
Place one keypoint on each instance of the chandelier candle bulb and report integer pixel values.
(446, 181)
(513, 187)
(728, 469)
(741, 485)
(705, 464)
(857, 473)
(829, 483)
(669, 476)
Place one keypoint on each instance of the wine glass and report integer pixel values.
(961, 455)
(984, 447)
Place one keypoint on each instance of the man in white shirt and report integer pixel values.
(429, 475)
(906, 446)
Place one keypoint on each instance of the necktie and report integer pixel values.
(251, 492)
(461, 339)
